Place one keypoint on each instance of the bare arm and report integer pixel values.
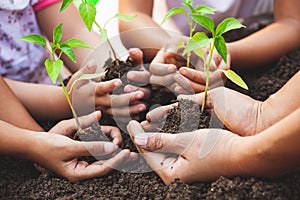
(73, 27)
(144, 27)
(12, 111)
(43, 102)
(272, 42)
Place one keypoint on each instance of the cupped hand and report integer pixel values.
(88, 95)
(202, 155)
(191, 80)
(239, 113)
(59, 153)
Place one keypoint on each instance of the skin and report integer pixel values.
(95, 95)
(271, 153)
(268, 130)
(31, 142)
(286, 25)
(238, 112)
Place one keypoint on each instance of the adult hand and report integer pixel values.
(88, 95)
(48, 148)
(239, 113)
(202, 155)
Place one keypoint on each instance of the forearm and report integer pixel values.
(12, 111)
(272, 42)
(265, 46)
(143, 32)
(15, 141)
(280, 104)
(73, 28)
(275, 150)
(43, 102)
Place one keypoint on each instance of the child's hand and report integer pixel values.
(88, 96)
(59, 153)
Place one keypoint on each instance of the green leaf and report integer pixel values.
(231, 75)
(180, 44)
(103, 33)
(200, 53)
(172, 12)
(94, 2)
(88, 13)
(204, 21)
(34, 38)
(199, 40)
(124, 17)
(189, 4)
(220, 45)
(53, 68)
(227, 25)
(66, 49)
(65, 4)
(57, 34)
(203, 10)
(86, 77)
(77, 43)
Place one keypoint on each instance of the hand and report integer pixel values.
(193, 80)
(202, 155)
(47, 151)
(239, 113)
(88, 95)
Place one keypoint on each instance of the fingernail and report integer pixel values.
(139, 95)
(142, 108)
(141, 140)
(109, 147)
(117, 83)
(171, 69)
(131, 75)
(183, 71)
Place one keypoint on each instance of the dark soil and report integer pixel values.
(20, 180)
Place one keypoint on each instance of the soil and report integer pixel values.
(20, 180)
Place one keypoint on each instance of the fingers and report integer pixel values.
(141, 77)
(132, 88)
(136, 55)
(157, 114)
(114, 133)
(107, 87)
(89, 68)
(83, 170)
(94, 148)
(198, 98)
(68, 127)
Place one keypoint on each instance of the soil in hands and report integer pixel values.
(185, 117)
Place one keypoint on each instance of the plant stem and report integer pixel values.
(109, 43)
(206, 70)
(79, 129)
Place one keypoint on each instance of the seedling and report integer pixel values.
(55, 64)
(87, 10)
(198, 41)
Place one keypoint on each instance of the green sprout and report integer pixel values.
(55, 64)
(198, 41)
(199, 10)
(88, 11)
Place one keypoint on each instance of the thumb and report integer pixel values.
(160, 142)
(87, 120)
(136, 55)
(95, 148)
(89, 68)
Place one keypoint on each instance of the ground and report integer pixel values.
(19, 179)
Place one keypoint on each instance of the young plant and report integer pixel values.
(88, 11)
(198, 41)
(55, 64)
(198, 10)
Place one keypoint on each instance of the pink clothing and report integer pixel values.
(44, 3)
(20, 60)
